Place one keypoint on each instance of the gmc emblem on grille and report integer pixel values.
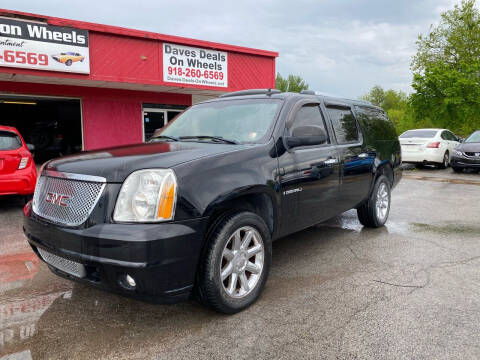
(57, 199)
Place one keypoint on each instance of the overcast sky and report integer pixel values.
(341, 47)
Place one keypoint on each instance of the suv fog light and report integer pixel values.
(130, 281)
(127, 282)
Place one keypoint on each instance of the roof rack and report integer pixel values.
(357, 101)
(308, 92)
(268, 92)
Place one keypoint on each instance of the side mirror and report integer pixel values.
(306, 135)
(31, 147)
(460, 140)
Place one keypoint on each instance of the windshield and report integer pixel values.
(237, 120)
(426, 134)
(474, 138)
(9, 141)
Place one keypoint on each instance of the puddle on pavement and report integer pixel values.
(86, 322)
(43, 316)
(349, 221)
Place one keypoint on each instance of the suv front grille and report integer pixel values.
(65, 198)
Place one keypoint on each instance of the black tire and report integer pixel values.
(446, 161)
(457, 169)
(367, 213)
(210, 289)
(68, 62)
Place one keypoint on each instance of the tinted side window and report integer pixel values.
(444, 135)
(309, 115)
(344, 125)
(376, 124)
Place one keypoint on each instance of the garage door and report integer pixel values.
(52, 125)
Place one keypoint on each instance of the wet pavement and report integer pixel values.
(410, 290)
(432, 173)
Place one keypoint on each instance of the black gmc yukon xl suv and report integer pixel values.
(195, 210)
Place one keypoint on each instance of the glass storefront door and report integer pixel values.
(154, 119)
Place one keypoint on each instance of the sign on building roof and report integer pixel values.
(194, 66)
(33, 45)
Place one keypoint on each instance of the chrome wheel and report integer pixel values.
(382, 202)
(242, 262)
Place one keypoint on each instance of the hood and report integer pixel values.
(115, 164)
(469, 147)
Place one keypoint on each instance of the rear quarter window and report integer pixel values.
(344, 125)
(375, 123)
(9, 141)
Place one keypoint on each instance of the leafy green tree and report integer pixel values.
(376, 96)
(394, 100)
(293, 83)
(446, 79)
(386, 99)
(395, 103)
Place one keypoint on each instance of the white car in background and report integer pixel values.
(428, 146)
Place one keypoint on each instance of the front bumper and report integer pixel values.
(162, 258)
(465, 162)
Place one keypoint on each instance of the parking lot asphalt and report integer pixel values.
(410, 290)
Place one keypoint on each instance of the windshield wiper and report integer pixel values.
(217, 138)
(173, 138)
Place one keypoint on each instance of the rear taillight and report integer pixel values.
(23, 163)
(434, 145)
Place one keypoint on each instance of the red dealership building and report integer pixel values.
(70, 85)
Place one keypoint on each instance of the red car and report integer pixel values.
(18, 174)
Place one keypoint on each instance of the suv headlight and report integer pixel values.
(456, 152)
(147, 196)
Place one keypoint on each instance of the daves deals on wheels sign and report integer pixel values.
(195, 66)
(33, 45)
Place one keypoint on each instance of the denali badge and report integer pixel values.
(58, 199)
(288, 192)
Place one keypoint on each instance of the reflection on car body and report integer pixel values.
(359, 164)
